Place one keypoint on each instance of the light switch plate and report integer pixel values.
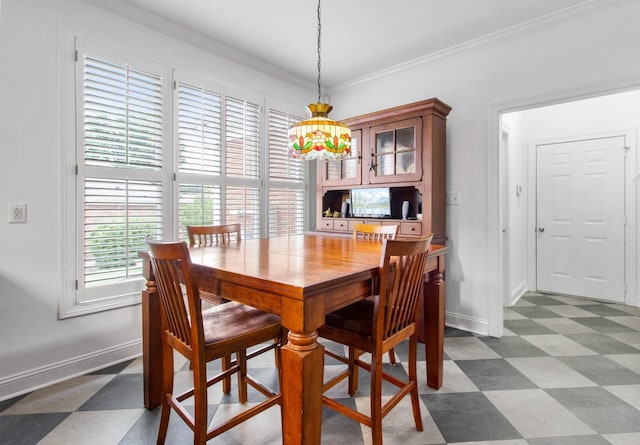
(17, 213)
(453, 198)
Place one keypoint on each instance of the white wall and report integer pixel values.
(591, 53)
(37, 348)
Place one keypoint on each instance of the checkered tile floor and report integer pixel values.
(567, 371)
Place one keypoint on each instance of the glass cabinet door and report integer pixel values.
(345, 171)
(396, 152)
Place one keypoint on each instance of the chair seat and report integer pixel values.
(229, 325)
(356, 318)
(354, 322)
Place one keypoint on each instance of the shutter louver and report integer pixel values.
(242, 138)
(199, 131)
(286, 178)
(123, 116)
(242, 205)
(119, 216)
(286, 212)
(199, 204)
(281, 165)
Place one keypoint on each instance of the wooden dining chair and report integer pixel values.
(212, 235)
(379, 327)
(373, 232)
(202, 336)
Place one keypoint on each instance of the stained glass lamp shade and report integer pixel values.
(319, 137)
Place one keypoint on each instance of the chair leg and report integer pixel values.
(226, 382)
(276, 355)
(376, 399)
(392, 357)
(284, 337)
(201, 405)
(353, 371)
(413, 377)
(167, 390)
(242, 375)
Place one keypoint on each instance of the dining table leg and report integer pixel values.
(302, 361)
(434, 309)
(302, 369)
(151, 346)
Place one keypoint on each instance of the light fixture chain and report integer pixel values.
(319, 33)
(319, 137)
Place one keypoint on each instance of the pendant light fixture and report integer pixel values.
(319, 137)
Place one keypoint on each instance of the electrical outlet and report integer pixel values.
(17, 213)
(453, 198)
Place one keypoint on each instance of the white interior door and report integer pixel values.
(581, 217)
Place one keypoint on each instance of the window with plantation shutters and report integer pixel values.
(199, 170)
(217, 183)
(286, 178)
(151, 150)
(242, 165)
(118, 181)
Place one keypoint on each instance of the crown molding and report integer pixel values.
(179, 32)
(586, 8)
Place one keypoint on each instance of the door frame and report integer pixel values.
(630, 200)
(504, 210)
(495, 286)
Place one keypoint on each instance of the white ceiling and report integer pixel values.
(359, 37)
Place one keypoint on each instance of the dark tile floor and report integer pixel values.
(567, 371)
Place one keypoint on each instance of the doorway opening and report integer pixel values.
(568, 199)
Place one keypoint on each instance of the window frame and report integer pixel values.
(75, 298)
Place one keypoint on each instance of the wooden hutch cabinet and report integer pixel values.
(402, 149)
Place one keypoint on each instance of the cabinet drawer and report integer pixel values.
(341, 225)
(352, 224)
(327, 224)
(411, 228)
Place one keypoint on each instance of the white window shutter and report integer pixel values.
(286, 178)
(122, 143)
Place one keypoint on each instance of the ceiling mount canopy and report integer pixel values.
(319, 137)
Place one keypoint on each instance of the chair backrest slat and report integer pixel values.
(212, 235)
(371, 232)
(401, 277)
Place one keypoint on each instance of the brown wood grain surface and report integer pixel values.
(300, 278)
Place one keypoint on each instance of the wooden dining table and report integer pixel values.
(300, 278)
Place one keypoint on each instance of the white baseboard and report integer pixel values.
(517, 293)
(27, 381)
(466, 323)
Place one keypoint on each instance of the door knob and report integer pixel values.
(540, 229)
